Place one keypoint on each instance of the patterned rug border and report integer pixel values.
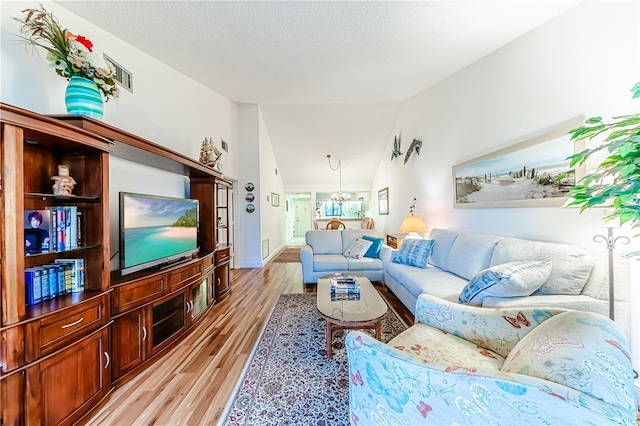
(280, 304)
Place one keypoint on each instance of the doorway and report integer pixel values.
(299, 214)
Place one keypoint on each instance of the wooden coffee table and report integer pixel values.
(366, 313)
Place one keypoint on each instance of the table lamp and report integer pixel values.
(413, 224)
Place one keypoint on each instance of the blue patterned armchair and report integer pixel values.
(460, 364)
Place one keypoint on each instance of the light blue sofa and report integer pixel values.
(577, 280)
(460, 364)
(322, 255)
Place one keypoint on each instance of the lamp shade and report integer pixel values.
(413, 223)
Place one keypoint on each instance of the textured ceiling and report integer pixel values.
(326, 74)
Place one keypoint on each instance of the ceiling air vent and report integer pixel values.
(124, 78)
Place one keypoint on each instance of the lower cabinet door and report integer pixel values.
(11, 399)
(63, 387)
(221, 273)
(130, 337)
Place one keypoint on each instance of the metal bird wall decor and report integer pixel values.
(396, 147)
(415, 145)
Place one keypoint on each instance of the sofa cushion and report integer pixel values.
(329, 262)
(571, 265)
(507, 280)
(374, 250)
(357, 248)
(348, 235)
(364, 264)
(442, 241)
(471, 253)
(431, 280)
(582, 350)
(414, 252)
(434, 346)
(324, 241)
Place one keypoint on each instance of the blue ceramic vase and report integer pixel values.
(83, 97)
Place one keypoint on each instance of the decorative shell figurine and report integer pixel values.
(63, 183)
(209, 154)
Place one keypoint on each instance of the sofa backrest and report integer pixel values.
(471, 253)
(575, 270)
(333, 241)
(584, 351)
(571, 266)
(443, 239)
(324, 241)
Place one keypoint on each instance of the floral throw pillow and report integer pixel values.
(357, 248)
(511, 279)
(414, 252)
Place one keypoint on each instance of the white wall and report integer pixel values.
(582, 63)
(166, 107)
(273, 219)
(248, 251)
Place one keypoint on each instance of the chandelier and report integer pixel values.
(338, 197)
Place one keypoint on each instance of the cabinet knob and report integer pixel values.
(106, 355)
(144, 333)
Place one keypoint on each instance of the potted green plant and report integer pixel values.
(615, 183)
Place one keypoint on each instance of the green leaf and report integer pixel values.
(595, 120)
(636, 90)
(627, 148)
(628, 170)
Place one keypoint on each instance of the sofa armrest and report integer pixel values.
(394, 386)
(306, 258)
(387, 254)
(495, 329)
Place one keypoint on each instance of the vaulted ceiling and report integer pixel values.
(330, 76)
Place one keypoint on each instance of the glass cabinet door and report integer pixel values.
(199, 297)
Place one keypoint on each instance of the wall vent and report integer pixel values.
(124, 78)
(224, 145)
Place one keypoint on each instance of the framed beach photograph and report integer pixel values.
(383, 201)
(275, 199)
(531, 173)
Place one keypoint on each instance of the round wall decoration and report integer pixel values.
(249, 187)
(249, 197)
(250, 208)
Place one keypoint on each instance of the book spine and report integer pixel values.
(44, 283)
(67, 229)
(68, 268)
(32, 286)
(73, 229)
(80, 275)
(53, 229)
(62, 225)
(80, 234)
(53, 281)
(61, 285)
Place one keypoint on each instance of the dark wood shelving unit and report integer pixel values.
(116, 327)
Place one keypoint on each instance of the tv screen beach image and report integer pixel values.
(534, 172)
(156, 228)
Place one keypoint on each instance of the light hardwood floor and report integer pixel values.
(191, 384)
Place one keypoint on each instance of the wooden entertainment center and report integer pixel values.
(60, 358)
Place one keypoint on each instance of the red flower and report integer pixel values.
(85, 42)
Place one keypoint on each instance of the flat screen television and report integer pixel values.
(155, 230)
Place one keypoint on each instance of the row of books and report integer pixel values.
(47, 282)
(53, 229)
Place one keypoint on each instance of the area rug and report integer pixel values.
(288, 380)
(288, 255)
